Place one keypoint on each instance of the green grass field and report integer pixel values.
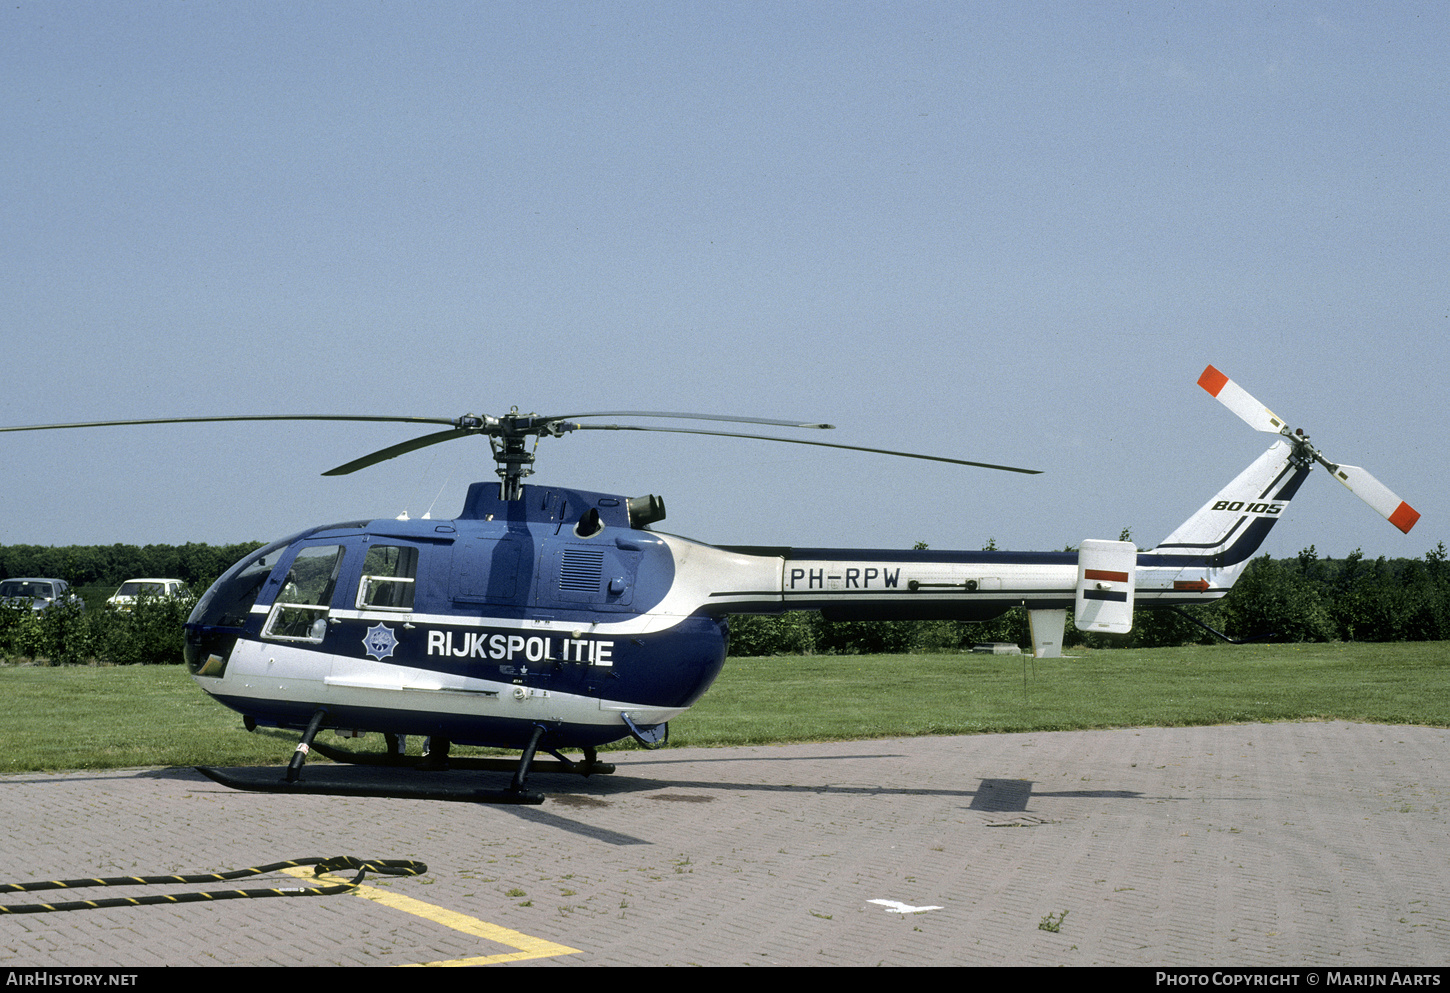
(126, 716)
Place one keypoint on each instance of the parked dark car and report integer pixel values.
(41, 593)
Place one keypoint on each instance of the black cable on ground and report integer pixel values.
(387, 867)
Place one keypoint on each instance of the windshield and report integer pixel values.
(230, 598)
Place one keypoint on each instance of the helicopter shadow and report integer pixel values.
(570, 798)
(991, 796)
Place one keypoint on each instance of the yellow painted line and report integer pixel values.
(526, 946)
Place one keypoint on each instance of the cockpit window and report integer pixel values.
(230, 598)
(300, 613)
(389, 575)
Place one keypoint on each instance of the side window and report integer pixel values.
(300, 613)
(388, 577)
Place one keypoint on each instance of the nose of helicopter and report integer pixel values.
(207, 650)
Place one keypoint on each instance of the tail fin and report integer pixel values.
(1214, 545)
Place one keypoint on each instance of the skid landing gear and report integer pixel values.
(588, 765)
(294, 768)
(396, 775)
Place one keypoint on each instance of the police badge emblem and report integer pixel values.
(380, 641)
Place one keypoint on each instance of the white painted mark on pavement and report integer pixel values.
(897, 907)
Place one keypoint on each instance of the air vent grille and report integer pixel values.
(581, 569)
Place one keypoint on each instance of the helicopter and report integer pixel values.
(545, 618)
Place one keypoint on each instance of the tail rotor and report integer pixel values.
(1356, 479)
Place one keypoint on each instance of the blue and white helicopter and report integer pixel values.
(558, 619)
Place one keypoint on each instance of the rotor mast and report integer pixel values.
(508, 436)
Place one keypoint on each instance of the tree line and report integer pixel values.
(111, 565)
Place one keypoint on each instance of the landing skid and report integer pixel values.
(399, 776)
(330, 782)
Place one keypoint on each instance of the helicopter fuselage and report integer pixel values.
(555, 610)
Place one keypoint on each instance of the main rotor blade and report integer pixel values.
(401, 448)
(1236, 398)
(800, 441)
(1377, 495)
(700, 417)
(243, 417)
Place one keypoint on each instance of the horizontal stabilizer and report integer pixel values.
(1105, 586)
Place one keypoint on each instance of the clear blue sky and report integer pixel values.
(1009, 232)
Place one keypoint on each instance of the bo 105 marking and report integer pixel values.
(1261, 509)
